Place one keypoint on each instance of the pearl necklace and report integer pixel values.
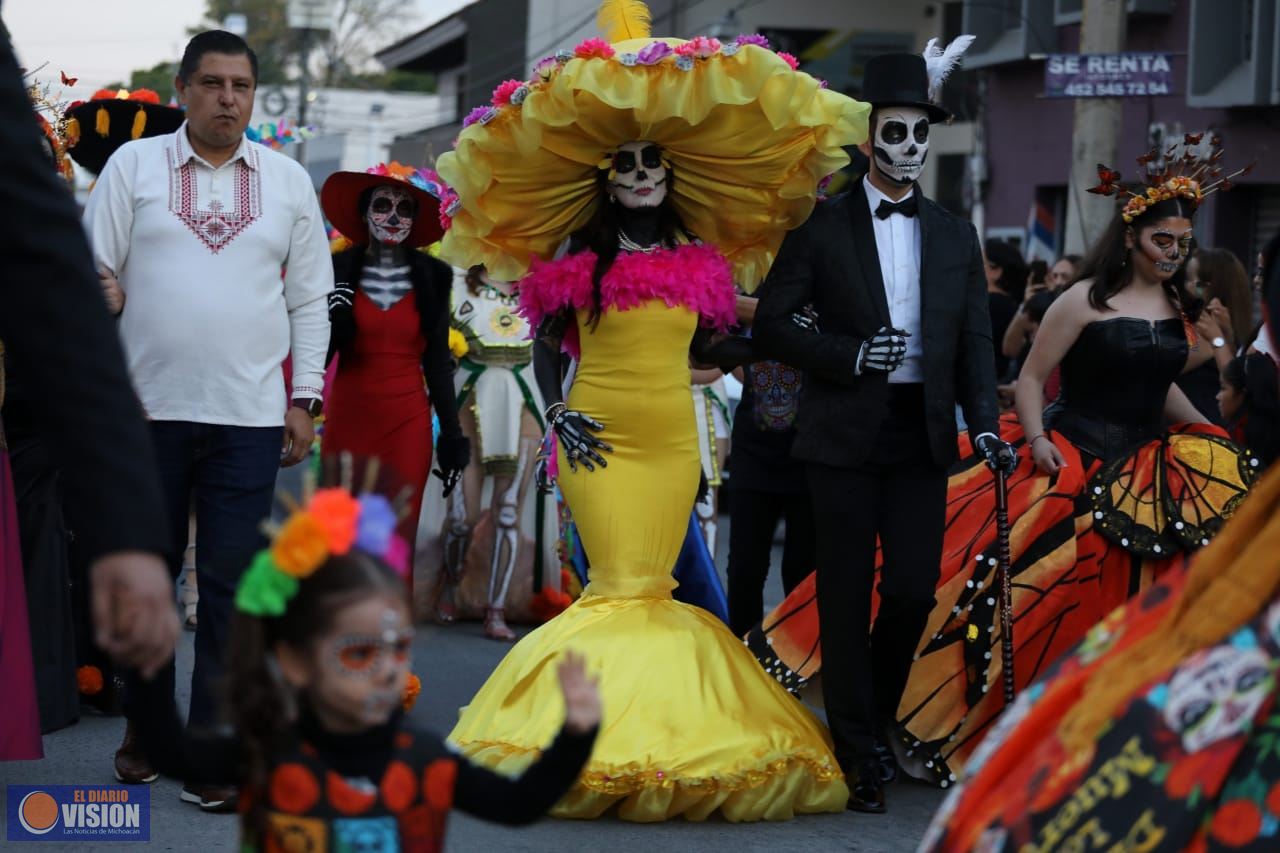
(628, 245)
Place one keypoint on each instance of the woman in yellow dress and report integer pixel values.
(624, 146)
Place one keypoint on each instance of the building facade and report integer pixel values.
(1226, 61)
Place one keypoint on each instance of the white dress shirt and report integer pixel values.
(898, 245)
(226, 271)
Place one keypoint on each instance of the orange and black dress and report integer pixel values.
(1134, 499)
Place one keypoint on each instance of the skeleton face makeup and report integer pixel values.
(354, 675)
(1164, 247)
(1217, 693)
(390, 215)
(638, 177)
(901, 143)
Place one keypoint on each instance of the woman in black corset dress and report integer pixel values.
(1119, 479)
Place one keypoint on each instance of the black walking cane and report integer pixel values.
(1006, 585)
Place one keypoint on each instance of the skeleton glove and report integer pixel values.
(573, 431)
(884, 351)
(452, 454)
(998, 453)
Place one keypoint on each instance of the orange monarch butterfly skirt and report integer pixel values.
(1083, 541)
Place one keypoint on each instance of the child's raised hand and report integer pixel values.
(581, 694)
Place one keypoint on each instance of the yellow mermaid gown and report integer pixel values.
(692, 724)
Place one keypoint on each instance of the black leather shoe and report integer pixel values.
(887, 761)
(866, 792)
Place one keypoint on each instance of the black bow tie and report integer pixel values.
(907, 207)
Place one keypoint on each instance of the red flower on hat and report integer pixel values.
(790, 60)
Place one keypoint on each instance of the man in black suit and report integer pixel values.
(56, 329)
(898, 287)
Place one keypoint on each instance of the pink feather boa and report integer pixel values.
(695, 276)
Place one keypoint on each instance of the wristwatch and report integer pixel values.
(1219, 342)
(311, 405)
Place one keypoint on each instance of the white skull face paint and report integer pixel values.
(901, 143)
(1216, 694)
(390, 215)
(1166, 248)
(638, 177)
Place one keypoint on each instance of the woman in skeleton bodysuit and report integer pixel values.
(492, 545)
(389, 312)
(620, 181)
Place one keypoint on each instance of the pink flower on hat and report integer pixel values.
(502, 94)
(699, 47)
(790, 60)
(594, 48)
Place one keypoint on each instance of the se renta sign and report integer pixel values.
(78, 813)
(1108, 75)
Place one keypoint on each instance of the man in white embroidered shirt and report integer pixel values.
(195, 228)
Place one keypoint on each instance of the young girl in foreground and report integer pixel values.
(323, 754)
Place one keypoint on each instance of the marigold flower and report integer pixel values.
(301, 546)
(337, 512)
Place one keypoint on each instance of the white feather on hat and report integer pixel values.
(940, 62)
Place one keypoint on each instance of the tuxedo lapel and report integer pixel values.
(930, 246)
(864, 241)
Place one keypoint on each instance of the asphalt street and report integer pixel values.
(453, 662)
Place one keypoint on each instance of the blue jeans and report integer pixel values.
(230, 472)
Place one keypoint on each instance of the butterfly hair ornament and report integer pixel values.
(329, 522)
(1189, 175)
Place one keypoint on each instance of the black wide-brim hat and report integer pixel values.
(900, 80)
(105, 125)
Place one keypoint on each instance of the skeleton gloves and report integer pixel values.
(573, 431)
(884, 351)
(998, 453)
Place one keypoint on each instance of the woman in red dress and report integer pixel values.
(389, 312)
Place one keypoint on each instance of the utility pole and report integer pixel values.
(304, 90)
(1096, 133)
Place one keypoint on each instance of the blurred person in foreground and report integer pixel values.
(55, 327)
(194, 228)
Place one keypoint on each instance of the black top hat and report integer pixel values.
(900, 80)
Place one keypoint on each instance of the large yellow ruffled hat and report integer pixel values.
(748, 137)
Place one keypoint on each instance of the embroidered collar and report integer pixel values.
(183, 152)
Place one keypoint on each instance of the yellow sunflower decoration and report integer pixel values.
(748, 137)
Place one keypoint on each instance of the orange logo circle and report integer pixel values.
(38, 812)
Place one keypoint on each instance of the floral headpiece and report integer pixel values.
(331, 522)
(57, 126)
(428, 180)
(1170, 175)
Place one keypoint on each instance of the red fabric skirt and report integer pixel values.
(1082, 542)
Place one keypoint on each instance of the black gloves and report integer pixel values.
(998, 453)
(884, 351)
(573, 430)
(453, 452)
